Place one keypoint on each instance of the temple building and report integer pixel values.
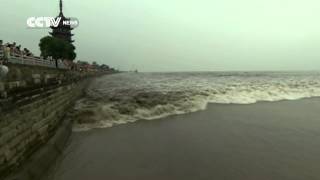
(62, 31)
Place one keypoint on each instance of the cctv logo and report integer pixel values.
(43, 22)
(47, 22)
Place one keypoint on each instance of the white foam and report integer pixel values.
(158, 99)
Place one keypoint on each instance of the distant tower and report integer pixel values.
(62, 31)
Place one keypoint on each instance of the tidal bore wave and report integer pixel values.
(128, 97)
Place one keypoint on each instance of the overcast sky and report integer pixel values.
(180, 35)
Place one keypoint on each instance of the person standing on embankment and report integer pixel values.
(4, 70)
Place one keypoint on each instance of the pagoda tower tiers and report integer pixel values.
(62, 31)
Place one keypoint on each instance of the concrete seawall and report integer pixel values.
(33, 103)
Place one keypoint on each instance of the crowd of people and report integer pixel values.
(12, 49)
(9, 50)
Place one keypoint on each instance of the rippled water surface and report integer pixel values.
(128, 97)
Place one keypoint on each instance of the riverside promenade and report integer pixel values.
(19, 58)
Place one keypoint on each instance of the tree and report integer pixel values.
(83, 62)
(57, 49)
(104, 67)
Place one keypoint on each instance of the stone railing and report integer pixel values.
(33, 61)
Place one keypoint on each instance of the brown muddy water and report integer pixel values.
(261, 141)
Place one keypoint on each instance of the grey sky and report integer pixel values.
(180, 35)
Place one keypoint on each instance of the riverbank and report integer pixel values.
(33, 130)
(266, 140)
(35, 133)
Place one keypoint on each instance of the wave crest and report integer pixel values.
(116, 100)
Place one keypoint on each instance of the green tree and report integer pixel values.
(57, 49)
(104, 67)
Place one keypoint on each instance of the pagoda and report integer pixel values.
(62, 31)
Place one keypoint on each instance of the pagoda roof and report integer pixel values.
(62, 31)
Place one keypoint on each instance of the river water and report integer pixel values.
(261, 141)
(243, 126)
(128, 97)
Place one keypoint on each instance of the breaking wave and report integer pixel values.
(128, 97)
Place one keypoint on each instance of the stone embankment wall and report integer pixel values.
(33, 102)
